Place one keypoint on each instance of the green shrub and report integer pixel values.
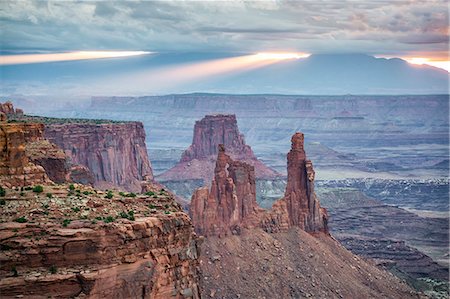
(21, 220)
(109, 195)
(122, 193)
(166, 212)
(38, 189)
(166, 206)
(87, 192)
(22, 193)
(53, 269)
(2, 192)
(152, 206)
(150, 193)
(71, 187)
(66, 222)
(109, 219)
(2, 202)
(49, 195)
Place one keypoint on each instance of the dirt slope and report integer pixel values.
(291, 265)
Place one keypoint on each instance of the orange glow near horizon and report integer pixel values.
(68, 56)
(280, 55)
(443, 64)
(185, 73)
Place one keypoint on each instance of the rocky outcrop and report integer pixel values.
(81, 174)
(231, 200)
(198, 161)
(50, 157)
(301, 201)
(16, 169)
(231, 204)
(8, 109)
(76, 243)
(115, 153)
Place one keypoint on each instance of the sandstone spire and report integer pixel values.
(301, 201)
(231, 204)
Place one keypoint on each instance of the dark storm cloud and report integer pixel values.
(373, 27)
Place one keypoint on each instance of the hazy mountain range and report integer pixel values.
(317, 74)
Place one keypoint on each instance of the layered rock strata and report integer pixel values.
(77, 243)
(198, 161)
(230, 204)
(16, 169)
(115, 153)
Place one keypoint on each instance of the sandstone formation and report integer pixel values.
(301, 201)
(77, 243)
(115, 153)
(197, 162)
(8, 109)
(230, 204)
(80, 174)
(232, 198)
(16, 169)
(50, 157)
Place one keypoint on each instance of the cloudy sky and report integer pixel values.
(413, 28)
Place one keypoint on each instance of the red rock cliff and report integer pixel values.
(115, 153)
(83, 245)
(16, 169)
(231, 204)
(198, 161)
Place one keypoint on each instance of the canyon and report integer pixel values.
(71, 240)
(333, 150)
(284, 252)
(106, 154)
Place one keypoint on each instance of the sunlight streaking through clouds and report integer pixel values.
(68, 56)
(166, 77)
(443, 64)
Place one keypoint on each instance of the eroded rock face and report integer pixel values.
(8, 109)
(115, 153)
(50, 157)
(231, 204)
(152, 253)
(197, 162)
(16, 169)
(231, 200)
(81, 174)
(301, 201)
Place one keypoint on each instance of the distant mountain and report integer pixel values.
(339, 74)
(318, 74)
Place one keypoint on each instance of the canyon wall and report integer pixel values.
(115, 153)
(16, 169)
(197, 162)
(81, 244)
(231, 204)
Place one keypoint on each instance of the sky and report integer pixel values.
(218, 38)
(388, 28)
